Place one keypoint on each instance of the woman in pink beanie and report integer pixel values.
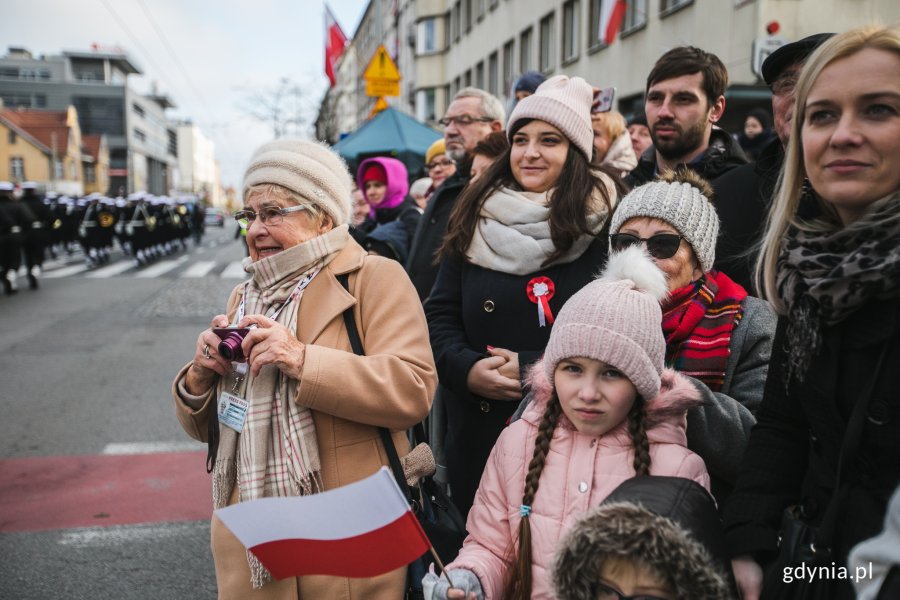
(605, 410)
(520, 241)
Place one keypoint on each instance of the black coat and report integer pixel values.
(742, 199)
(390, 233)
(793, 451)
(420, 264)
(469, 308)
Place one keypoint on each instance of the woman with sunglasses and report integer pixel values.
(315, 407)
(522, 238)
(715, 333)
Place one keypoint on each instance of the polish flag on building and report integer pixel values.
(359, 530)
(335, 40)
(612, 13)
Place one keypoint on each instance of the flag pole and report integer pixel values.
(437, 559)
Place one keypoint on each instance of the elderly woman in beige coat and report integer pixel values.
(314, 406)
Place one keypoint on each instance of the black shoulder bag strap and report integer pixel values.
(356, 344)
(849, 448)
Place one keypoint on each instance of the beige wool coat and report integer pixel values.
(350, 397)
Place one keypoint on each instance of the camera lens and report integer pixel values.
(230, 347)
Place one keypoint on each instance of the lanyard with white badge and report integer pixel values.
(232, 408)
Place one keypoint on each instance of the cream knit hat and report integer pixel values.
(565, 103)
(310, 169)
(616, 319)
(682, 200)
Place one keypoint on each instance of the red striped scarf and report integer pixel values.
(698, 321)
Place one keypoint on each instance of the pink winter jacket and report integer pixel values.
(580, 472)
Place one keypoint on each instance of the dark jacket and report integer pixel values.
(469, 308)
(392, 230)
(742, 199)
(723, 154)
(793, 451)
(420, 265)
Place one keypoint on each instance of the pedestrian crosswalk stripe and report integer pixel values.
(64, 272)
(111, 270)
(160, 268)
(234, 270)
(199, 269)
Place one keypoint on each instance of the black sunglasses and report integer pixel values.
(661, 245)
(604, 592)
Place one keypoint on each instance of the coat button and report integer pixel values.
(489, 306)
(583, 487)
(485, 406)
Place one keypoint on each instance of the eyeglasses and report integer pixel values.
(439, 163)
(604, 592)
(661, 245)
(463, 120)
(270, 215)
(785, 84)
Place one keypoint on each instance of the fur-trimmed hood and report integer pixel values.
(630, 531)
(665, 414)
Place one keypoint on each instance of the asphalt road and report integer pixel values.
(102, 493)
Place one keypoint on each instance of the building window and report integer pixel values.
(494, 3)
(479, 75)
(138, 109)
(457, 85)
(427, 38)
(455, 21)
(99, 115)
(468, 17)
(667, 7)
(481, 9)
(509, 67)
(570, 30)
(17, 168)
(467, 78)
(58, 171)
(90, 173)
(525, 51)
(172, 147)
(139, 135)
(547, 58)
(11, 137)
(425, 105)
(635, 15)
(493, 73)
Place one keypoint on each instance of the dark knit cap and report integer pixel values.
(638, 119)
(762, 116)
(528, 82)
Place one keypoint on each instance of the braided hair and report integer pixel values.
(518, 577)
(638, 433)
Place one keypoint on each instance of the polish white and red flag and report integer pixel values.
(359, 530)
(335, 40)
(612, 13)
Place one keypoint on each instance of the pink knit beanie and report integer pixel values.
(565, 103)
(616, 319)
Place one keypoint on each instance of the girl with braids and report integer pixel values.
(604, 411)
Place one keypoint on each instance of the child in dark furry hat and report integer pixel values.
(653, 538)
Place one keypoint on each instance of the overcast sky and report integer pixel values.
(209, 56)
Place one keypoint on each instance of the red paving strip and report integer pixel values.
(63, 492)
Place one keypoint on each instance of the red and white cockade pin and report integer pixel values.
(540, 290)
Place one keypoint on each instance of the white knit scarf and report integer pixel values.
(276, 453)
(513, 233)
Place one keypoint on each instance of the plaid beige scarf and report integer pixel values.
(276, 453)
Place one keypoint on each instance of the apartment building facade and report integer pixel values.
(488, 43)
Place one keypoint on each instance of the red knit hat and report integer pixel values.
(375, 172)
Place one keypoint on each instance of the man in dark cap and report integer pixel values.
(743, 194)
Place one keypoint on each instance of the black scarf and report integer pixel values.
(824, 276)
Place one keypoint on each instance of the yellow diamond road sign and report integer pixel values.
(382, 66)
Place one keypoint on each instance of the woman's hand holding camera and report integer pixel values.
(270, 343)
(207, 362)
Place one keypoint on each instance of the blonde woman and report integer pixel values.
(831, 267)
